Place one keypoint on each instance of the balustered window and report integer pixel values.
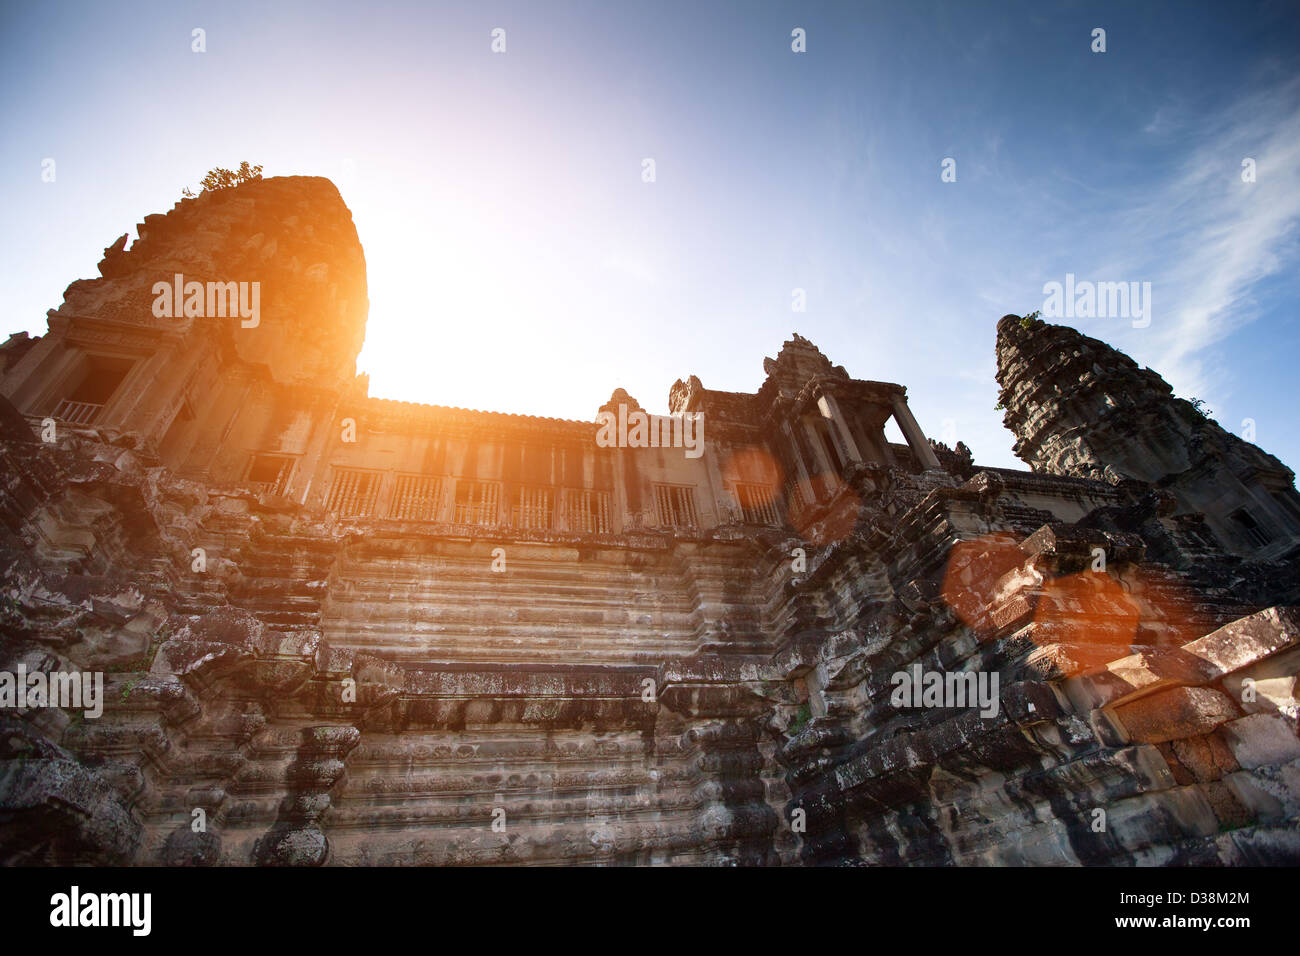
(353, 493)
(757, 503)
(587, 511)
(415, 498)
(676, 506)
(533, 508)
(477, 502)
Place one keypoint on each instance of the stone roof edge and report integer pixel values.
(458, 415)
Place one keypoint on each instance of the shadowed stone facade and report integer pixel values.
(358, 631)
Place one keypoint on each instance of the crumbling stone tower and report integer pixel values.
(205, 391)
(1083, 409)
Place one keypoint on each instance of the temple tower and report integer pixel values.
(272, 301)
(1081, 408)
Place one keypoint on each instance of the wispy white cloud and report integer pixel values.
(1203, 238)
(1206, 238)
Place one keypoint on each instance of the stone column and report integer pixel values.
(29, 383)
(213, 454)
(43, 390)
(797, 454)
(831, 409)
(721, 495)
(309, 471)
(125, 408)
(915, 437)
(874, 444)
(161, 398)
(832, 478)
(804, 488)
(35, 384)
(620, 503)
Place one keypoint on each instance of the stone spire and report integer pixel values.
(292, 235)
(1083, 409)
(798, 362)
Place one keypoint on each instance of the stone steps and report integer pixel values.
(593, 610)
(506, 644)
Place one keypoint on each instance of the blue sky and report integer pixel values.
(518, 262)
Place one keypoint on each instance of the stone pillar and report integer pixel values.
(805, 491)
(311, 473)
(735, 822)
(818, 449)
(35, 383)
(874, 444)
(130, 408)
(161, 399)
(915, 437)
(725, 504)
(213, 454)
(28, 383)
(797, 455)
(831, 409)
(620, 505)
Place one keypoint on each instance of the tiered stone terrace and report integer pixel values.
(466, 618)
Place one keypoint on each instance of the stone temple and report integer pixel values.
(335, 629)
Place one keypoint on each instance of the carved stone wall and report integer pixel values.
(317, 686)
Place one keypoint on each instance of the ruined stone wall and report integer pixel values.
(525, 691)
(1122, 732)
(321, 685)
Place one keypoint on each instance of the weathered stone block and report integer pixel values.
(1173, 714)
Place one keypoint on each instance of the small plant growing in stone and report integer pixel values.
(801, 718)
(220, 178)
(130, 686)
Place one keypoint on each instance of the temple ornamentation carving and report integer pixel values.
(367, 651)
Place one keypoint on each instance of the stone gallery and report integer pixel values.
(336, 629)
